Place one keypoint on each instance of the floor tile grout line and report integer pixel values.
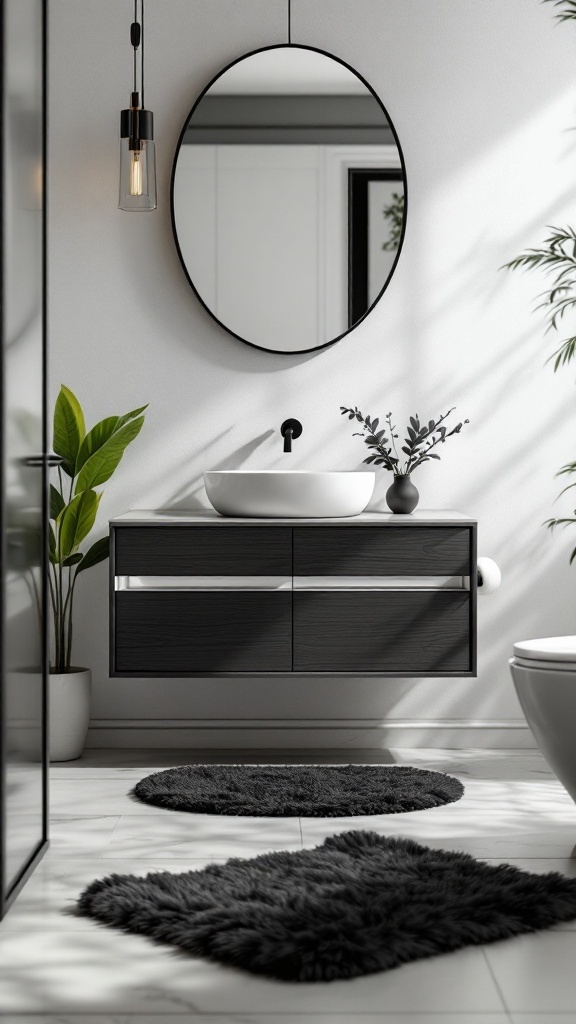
(106, 845)
(507, 1010)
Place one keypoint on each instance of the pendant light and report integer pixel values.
(137, 152)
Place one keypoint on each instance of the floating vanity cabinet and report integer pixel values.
(197, 599)
(381, 599)
(377, 594)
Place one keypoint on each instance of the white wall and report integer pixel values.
(482, 95)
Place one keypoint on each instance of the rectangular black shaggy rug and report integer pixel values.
(357, 904)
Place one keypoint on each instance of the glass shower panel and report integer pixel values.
(23, 437)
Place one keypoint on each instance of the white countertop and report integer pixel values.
(209, 517)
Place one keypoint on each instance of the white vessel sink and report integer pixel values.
(285, 494)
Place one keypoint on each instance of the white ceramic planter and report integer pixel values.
(69, 702)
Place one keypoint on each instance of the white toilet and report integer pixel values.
(544, 674)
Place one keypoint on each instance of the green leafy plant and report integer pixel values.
(89, 458)
(556, 257)
(417, 447)
(394, 213)
(570, 468)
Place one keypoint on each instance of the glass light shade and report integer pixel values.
(137, 176)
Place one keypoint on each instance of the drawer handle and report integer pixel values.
(202, 583)
(381, 583)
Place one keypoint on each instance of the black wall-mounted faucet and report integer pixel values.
(290, 430)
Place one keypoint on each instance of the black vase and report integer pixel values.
(402, 497)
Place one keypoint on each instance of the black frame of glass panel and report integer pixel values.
(359, 179)
(325, 53)
(8, 895)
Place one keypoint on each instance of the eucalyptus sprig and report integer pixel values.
(556, 257)
(417, 445)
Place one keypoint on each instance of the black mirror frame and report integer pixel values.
(244, 56)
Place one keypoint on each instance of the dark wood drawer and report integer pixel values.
(412, 631)
(194, 632)
(203, 551)
(373, 551)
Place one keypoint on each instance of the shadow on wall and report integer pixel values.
(190, 496)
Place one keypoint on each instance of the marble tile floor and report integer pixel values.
(57, 967)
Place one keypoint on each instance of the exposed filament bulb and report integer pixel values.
(135, 173)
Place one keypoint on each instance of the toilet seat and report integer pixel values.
(551, 652)
(549, 666)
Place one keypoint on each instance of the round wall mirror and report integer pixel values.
(288, 198)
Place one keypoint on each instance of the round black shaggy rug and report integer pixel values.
(357, 904)
(309, 791)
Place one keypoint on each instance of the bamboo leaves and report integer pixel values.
(567, 10)
(569, 468)
(556, 257)
(566, 521)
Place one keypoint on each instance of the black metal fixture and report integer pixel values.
(290, 430)
(137, 151)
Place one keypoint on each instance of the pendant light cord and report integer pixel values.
(289, 22)
(137, 39)
(135, 21)
(142, 51)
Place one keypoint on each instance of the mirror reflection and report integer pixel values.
(288, 198)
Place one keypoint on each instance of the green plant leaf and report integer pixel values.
(130, 416)
(57, 502)
(97, 553)
(104, 461)
(95, 438)
(564, 354)
(77, 520)
(69, 428)
(72, 559)
(567, 9)
(52, 552)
